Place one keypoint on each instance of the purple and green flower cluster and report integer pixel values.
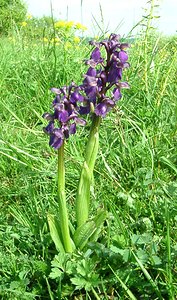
(98, 93)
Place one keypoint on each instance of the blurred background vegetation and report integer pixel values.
(135, 174)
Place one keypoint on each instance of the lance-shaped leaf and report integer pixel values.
(55, 232)
(99, 221)
(89, 231)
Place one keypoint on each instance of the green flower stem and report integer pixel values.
(63, 215)
(93, 143)
(83, 193)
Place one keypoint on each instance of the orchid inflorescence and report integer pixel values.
(98, 93)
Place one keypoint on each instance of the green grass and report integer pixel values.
(135, 176)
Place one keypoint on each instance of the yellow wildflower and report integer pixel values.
(60, 24)
(96, 37)
(76, 40)
(45, 40)
(55, 40)
(79, 26)
(29, 17)
(23, 24)
(67, 45)
(69, 24)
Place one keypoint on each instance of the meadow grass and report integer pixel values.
(135, 174)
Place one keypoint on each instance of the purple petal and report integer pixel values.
(123, 56)
(110, 102)
(124, 46)
(96, 55)
(115, 74)
(56, 100)
(58, 133)
(91, 72)
(89, 80)
(76, 97)
(126, 65)
(91, 63)
(63, 116)
(48, 117)
(101, 109)
(65, 131)
(117, 94)
(72, 129)
(124, 85)
(103, 77)
(56, 91)
(49, 128)
(55, 143)
(80, 121)
(84, 110)
(104, 107)
(91, 92)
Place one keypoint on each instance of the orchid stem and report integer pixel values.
(63, 215)
(83, 193)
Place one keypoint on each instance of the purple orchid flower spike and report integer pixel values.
(63, 121)
(105, 74)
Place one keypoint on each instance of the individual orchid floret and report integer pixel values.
(65, 117)
(95, 58)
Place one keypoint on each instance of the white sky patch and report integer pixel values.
(126, 12)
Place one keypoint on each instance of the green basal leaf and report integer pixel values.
(55, 232)
(83, 233)
(99, 220)
(89, 230)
